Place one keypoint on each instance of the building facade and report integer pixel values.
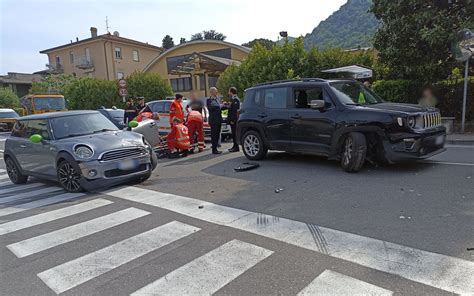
(106, 56)
(196, 65)
(19, 83)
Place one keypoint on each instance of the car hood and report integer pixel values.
(398, 108)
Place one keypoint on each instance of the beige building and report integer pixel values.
(196, 65)
(106, 56)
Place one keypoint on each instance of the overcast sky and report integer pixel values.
(28, 26)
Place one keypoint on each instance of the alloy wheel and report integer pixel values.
(251, 145)
(12, 171)
(347, 155)
(68, 177)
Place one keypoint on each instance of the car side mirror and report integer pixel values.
(36, 139)
(317, 104)
(132, 124)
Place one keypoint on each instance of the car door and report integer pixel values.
(19, 142)
(41, 157)
(274, 116)
(311, 129)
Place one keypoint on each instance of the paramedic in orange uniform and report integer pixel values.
(178, 139)
(176, 110)
(195, 125)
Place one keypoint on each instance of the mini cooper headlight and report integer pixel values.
(83, 152)
(411, 121)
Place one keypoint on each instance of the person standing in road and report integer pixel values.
(129, 113)
(142, 107)
(215, 119)
(196, 105)
(233, 116)
(176, 110)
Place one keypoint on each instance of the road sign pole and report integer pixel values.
(464, 99)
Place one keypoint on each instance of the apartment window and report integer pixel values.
(88, 54)
(120, 75)
(181, 84)
(71, 57)
(118, 53)
(58, 60)
(136, 57)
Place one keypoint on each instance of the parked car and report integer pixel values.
(8, 117)
(340, 119)
(115, 115)
(82, 150)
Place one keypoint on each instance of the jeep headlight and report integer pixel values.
(83, 152)
(411, 122)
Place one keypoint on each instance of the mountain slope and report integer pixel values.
(349, 27)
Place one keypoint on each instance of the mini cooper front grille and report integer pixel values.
(123, 154)
(432, 119)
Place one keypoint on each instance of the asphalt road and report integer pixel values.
(198, 227)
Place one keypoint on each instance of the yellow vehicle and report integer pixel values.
(43, 103)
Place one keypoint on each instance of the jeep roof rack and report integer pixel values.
(291, 80)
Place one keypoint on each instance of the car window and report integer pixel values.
(80, 124)
(19, 129)
(276, 97)
(354, 93)
(304, 96)
(258, 97)
(156, 107)
(9, 114)
(38, 127)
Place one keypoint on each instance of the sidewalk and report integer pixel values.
(460, 139)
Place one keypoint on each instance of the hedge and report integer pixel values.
(449, 94)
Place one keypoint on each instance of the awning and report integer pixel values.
(354, 71)
(200, 62)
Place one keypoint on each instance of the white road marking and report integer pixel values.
(73, 273)
(38, 203)
(23, 195)
(208, 273)
(460, 146)
(440, 271)
(333, 283)
(447, 162)
(52, 215)
(68, 234)
(2, 171)
(20, 187)
(3, 177)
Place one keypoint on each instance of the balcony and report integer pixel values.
(55, 68)
(83, 62)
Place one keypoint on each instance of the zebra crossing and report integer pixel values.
(204, 275)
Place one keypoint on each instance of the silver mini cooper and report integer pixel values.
(82, 150)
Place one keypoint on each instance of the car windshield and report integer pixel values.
(115, 113)
(80, 125)
(9, 114)
(353, 93)
(56, 103)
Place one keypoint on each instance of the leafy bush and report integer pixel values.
(91, 93)
(148, 85)
(8, 99)
(52, 83)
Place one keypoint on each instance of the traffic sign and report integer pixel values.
(123, 92)
(122, 83)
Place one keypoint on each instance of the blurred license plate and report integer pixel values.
(224, 125)
(439, 140)
(128, 164)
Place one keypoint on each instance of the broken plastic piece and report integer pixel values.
(246, 166)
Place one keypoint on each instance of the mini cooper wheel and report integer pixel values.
(253, 146)
(354, 149)
(69, 177)
(14, 172)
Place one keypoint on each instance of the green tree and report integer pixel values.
(208, 35)
(148, 85)
(8, 99)
(414, 36)
(267, 43)
(182, 40)
(167, 42)
(52, 82)
(92, 93)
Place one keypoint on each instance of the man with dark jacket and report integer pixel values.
(215, 119)
(233, 116)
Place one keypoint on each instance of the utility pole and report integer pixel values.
(464, 99)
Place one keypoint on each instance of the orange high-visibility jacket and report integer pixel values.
(176, 111)
(194, 116)
(143, 115)
(178, 138)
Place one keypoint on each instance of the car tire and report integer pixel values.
(14, 173)
(253, 146)
(69, 176)
(354, 150)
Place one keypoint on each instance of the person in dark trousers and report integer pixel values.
(129, 113)
(233, 116)
(215, 119)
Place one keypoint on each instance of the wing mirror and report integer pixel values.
(317, 104)
(132, 124)
(36, 139)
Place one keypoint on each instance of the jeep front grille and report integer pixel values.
(123, 154)
(432, 119)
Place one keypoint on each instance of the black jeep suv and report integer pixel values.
(340, 119)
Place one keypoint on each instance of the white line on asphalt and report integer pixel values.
(52, 215)
(24, 195)
(334, 283)
(208, 273)
(19, 187)
(38, 203)
(52, 239)
(460, 146)
(70, 274)
(6, 183)
(2, 171)
(440, 271)
(3, 177)
(447, 162)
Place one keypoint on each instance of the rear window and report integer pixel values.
(9, 114)
(156, 107)
(276, 98)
